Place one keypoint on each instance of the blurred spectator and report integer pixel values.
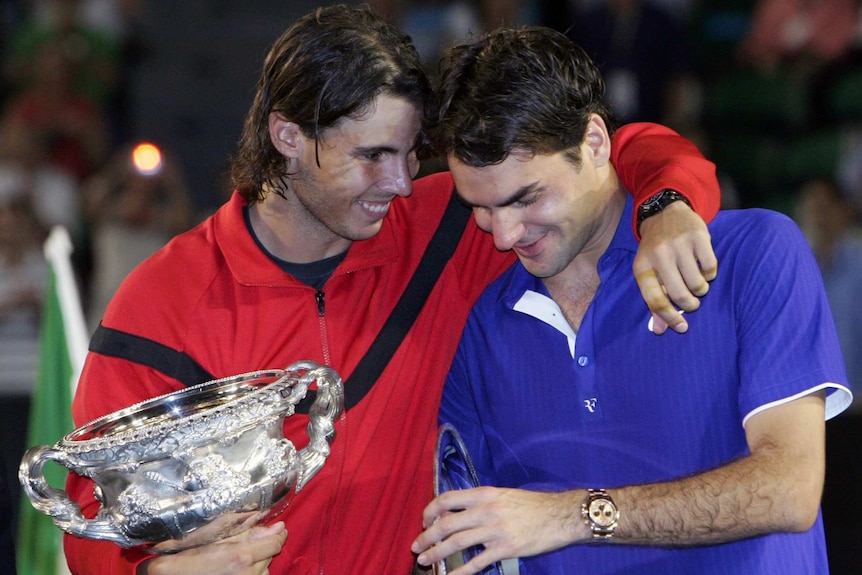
(24, 166)
(644, 55)
(801, 34)
(114, 19)
(116, 26)
(22, 286)
(93, 58)
(134, 208)
(436, 24)
(831, 225)
(68, 127)
(849, 165)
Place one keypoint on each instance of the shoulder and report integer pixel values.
(754, 218)
(504, 291)
(765, 262)
(756, 230)
(431, 195)
(417, 216)
(169, 282)
(186, 257)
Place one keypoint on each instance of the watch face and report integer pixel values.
(602, 512)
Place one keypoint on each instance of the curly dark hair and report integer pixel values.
(529, 89)
(330, 64)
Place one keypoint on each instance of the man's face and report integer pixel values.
(542, 207)
(364, 165)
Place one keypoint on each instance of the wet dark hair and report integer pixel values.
(528, 90)
(330, 64)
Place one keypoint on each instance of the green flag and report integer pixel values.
(62, 348)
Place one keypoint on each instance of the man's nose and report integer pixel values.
(506, 229)
(398, 179)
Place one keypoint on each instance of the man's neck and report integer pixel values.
(574, 293)
(287, 236)
(574, 288)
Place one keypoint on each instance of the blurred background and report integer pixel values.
(771, 90)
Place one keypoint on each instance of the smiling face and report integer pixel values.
(341, 186)
(543, 207)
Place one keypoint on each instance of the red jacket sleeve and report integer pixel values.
(650, 157)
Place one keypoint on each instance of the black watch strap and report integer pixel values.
(658, 202)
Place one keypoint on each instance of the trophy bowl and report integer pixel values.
(186, 468)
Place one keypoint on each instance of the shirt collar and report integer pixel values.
(251, 266)
(525, 293)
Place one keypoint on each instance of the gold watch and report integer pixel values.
(600, 513)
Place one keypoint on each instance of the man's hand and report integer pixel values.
(509, 523)
(674, 265)
(246, 553)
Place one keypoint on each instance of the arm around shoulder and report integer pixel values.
(675, 261)
(650, 158)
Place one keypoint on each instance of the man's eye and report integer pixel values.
(373, 156)
(524, 202)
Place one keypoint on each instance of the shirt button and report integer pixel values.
(583, 361)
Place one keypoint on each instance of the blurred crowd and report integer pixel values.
(769, 89)
(66, 160)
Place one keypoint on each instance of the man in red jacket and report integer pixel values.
(308, 259)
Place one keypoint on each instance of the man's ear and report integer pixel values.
(285, 135)
(598, 140)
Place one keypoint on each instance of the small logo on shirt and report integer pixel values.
(590, 404)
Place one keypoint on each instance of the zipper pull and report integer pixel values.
(321, 306)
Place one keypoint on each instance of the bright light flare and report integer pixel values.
(147, 159)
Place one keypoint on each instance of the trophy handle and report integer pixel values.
(65, 513)
(327, 407)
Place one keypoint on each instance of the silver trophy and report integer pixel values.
(189, 467)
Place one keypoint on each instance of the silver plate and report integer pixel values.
(454, 469)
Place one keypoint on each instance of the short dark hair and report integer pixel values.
(330, 64)
(529, 89)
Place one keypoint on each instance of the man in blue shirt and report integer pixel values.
(706, 455)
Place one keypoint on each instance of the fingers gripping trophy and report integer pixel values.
(453, 469)
(187, 468)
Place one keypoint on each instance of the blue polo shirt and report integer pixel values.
(540, 407)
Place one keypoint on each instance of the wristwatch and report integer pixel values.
(658, 202)
(600, 513)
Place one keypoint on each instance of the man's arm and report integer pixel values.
(675, 260)
(777, 488)
(650, 158)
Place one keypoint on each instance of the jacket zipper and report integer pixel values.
(320, 298)
(337, 455)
